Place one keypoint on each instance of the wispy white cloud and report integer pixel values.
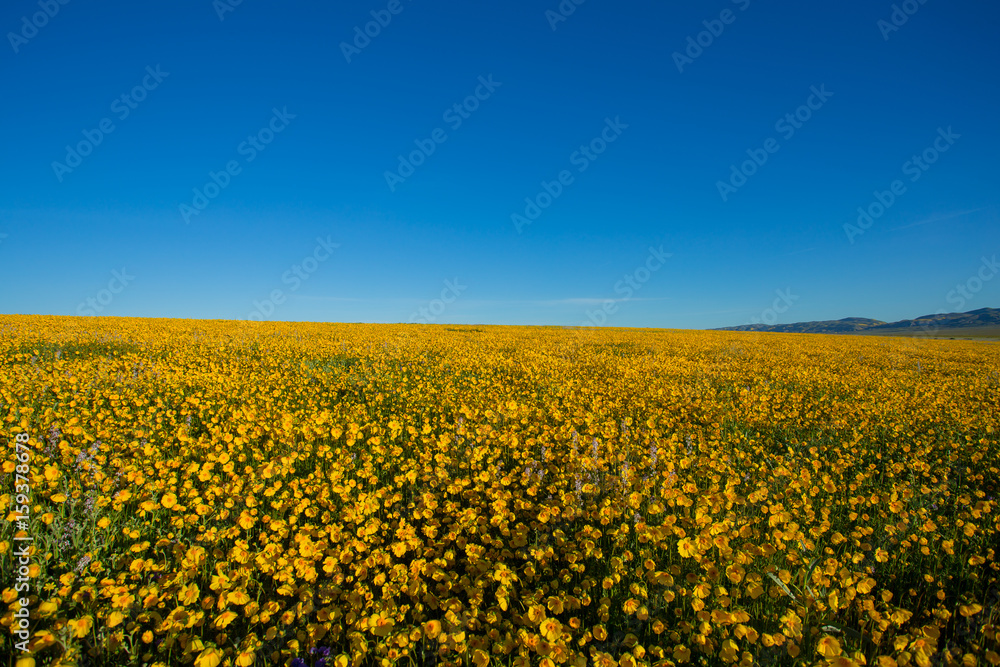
(573, 301)
(937, 218)
(716, 312)
(591, 301)
(306, 297)
(798, 252)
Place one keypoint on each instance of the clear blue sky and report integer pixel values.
(187, 93)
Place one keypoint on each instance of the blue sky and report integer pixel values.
(356, 190)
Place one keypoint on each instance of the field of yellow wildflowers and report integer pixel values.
(232, 493)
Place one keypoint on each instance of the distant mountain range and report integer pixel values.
(984, 317)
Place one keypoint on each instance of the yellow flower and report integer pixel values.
(842, 661)
(210, 657)
(687, 548)
(968, 610)
(381, 626)
(168, 500)
(432, 629)
(480, 658)
(48, 608)
(237, 597)
(536, 613)
(188, 594)
(224, 619)
(828, 647)
(551, 629)
(80, 627)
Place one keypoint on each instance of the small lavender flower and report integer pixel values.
(595, 448)
(55, 435)
(82, 563)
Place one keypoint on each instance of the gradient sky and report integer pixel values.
(65, 230)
